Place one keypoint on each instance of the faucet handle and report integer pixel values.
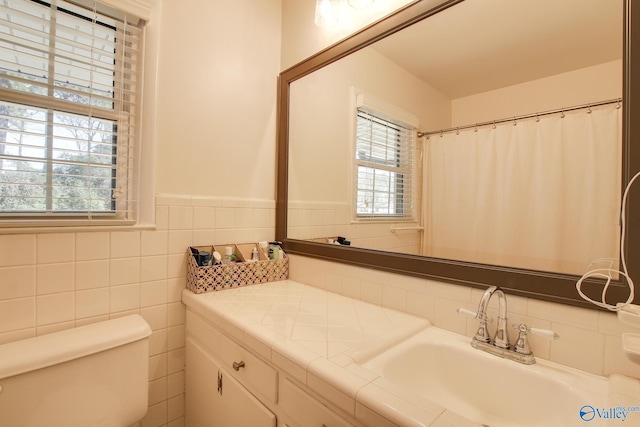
(475, 315)
(522, 343)
(544, 333)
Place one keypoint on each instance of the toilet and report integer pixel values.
(90, 376)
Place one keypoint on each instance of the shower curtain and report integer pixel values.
(540, 193)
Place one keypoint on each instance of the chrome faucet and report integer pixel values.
(500, 345)
(501, 338)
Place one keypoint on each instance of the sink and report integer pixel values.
(442, 367)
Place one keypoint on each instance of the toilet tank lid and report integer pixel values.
(46, 350)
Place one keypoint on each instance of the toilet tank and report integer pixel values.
(94, 375)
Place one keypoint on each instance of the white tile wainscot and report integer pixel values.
(309, 338)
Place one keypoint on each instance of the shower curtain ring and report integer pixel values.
(441, 134)
(457, 131)
(494, 124)
(515, 123)
(537, 117)
(589, 109)
(476, 128)
(562, 115)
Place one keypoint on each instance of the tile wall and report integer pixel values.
(54, 281)
(315, 220)
(590, 340)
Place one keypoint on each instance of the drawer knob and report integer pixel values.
(238, 365)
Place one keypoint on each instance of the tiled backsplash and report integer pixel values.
(590, 340)
(313, 220)
(55, 281)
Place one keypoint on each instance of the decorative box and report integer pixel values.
(244, 272)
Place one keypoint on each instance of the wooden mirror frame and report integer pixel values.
(547, 286)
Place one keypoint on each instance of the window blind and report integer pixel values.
(384, 159)
(69, 87)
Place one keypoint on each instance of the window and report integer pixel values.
(68, 110)
(384, 167)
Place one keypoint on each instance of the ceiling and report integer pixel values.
(482, 45)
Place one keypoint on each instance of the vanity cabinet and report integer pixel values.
(228, 385)
(216, 398)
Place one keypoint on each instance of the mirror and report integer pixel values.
(314, 182)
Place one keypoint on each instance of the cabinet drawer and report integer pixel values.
(255, 374)
(305, 410)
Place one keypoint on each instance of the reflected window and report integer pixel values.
(384, 168)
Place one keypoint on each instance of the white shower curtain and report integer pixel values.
(542, 194)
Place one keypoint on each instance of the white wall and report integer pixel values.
(597, 83)
(218, 68)
(212, 119)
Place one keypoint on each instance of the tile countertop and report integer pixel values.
(315, 336)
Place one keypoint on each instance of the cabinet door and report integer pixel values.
(241, 408)
(213, 398)
(202, 402)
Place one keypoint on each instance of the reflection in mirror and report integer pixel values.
(519, 159)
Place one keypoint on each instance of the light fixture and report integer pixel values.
(327, 13)
(360, 4)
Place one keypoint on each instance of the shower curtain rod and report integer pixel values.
(516, 118)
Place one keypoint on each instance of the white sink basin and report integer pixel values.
(442, 367)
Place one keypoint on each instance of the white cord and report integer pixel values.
(600, 272)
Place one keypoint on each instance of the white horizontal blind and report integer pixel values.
(68, 111)
(385, 168)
